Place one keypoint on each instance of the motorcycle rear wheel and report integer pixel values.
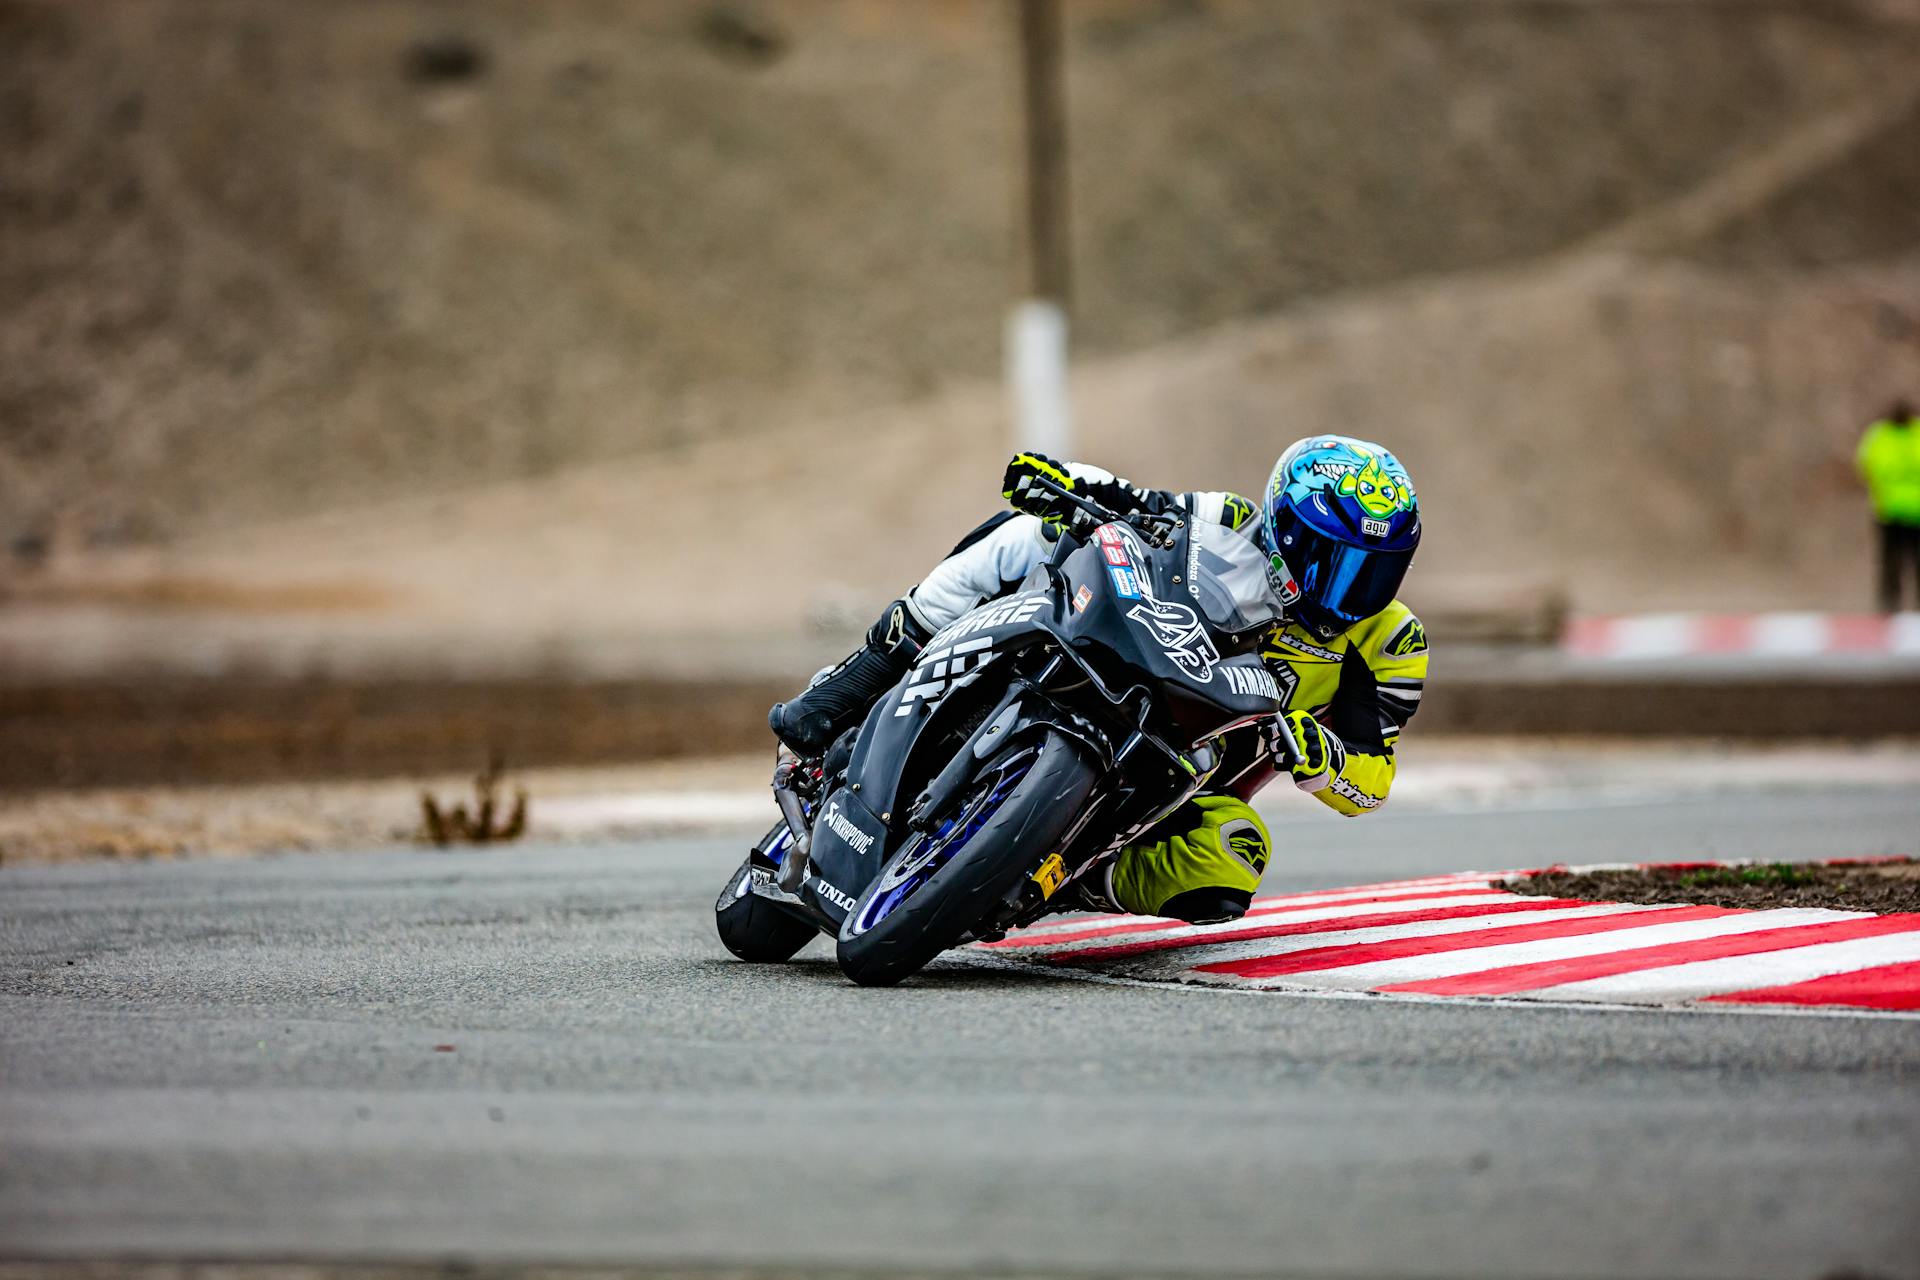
(1029, 820)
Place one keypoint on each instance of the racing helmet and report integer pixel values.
(1340, 524)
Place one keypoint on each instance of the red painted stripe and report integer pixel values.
(1890, 986)
(1859, 633)
(1871, 860)
(1339, 957)
(1588, 637)
(1339, 924)
(1418, 882)
(1396, 888)
(1551, 973)
(1148, 926)
(1722, 633)
(1729, 633)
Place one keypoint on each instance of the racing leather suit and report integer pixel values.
(1362, 686)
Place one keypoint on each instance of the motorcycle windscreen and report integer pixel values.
(1232, 580)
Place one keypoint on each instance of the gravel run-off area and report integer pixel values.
(1882, 887)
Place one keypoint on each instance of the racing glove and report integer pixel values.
(1314, 757)
(1022, 495)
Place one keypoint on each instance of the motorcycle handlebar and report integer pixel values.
(1157, 529)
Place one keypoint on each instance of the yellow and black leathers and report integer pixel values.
(1359, 690)
(1347, 700)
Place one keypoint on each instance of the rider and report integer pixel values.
(1340, 524)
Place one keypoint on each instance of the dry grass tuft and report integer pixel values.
(443, 828)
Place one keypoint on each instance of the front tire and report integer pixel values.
(756, 930)
(1029, 821)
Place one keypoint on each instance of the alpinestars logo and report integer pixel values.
(1409, 639)
(1177, 630)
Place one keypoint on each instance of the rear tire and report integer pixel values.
(1028, 824)
(756, 930)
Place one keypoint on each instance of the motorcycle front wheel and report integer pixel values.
(943, 883)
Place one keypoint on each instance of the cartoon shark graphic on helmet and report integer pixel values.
(1377, 490)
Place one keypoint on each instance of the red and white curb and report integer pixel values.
(1467, 935)
(1742, 635)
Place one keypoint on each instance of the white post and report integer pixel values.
(1037, 377)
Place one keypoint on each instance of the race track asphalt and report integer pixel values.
(542, 1054)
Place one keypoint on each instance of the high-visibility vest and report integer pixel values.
(1889, 460)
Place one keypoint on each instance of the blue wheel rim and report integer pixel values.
(953, 835)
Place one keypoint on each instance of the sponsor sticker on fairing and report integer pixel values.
(1116, 554)
(1082, 598)
(1251, 682)
(939, 672)
(1109, 535)
(1125, 583)
(1180, 635)
(841, 826)
(831, 892)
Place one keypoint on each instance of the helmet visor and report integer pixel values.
(1344, 582)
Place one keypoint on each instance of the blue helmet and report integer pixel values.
(1341, 523)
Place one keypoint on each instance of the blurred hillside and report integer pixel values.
(262, 259)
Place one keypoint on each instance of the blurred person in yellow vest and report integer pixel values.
(1889, 460)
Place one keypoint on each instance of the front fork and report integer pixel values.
(1033, 897)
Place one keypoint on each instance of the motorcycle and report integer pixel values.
(1029, 741)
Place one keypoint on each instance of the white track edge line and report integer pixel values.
(994, 960)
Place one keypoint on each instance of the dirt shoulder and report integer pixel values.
(1881, 887)
(138, 823)
(726, 793)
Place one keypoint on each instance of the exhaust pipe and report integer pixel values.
(793, 867)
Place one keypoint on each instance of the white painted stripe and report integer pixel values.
(1790, 635)
(1903, 634)
(1263, 906)
(1655, 635)
(1334, 911)
(1740, 973)
(1449, 964)
(1186, 959)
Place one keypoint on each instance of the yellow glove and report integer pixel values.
(1320, 754)
(1021, 494)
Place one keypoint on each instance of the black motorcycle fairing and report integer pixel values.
(1131, 611)
(937, 690)
(849, 845)
(1100, 644)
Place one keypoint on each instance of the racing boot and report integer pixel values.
(841, 695)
